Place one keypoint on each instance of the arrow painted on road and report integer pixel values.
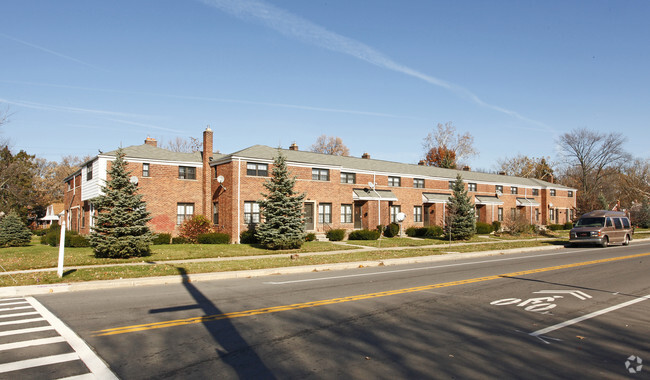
(576, 293)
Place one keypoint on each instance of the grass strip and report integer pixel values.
(153, 270)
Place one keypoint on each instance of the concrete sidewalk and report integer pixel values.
(176, 279)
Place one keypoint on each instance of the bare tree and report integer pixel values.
(445, 136)
(330, 145)
(184, 145)
(591, 159)
(527, 167)
(4, 119)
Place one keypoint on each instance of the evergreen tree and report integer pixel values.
(283, 226)
(462, 219)
(120, 229)
(13, 232)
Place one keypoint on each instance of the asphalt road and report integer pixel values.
(571, 313)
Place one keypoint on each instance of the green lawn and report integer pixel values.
(37, 256)
(149, 270)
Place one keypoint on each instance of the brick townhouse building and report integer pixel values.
(341, 192)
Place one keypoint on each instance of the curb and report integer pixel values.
(31, 290)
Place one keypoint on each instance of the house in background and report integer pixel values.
(52, 214)
(341, 192)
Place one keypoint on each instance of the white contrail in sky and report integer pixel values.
(220, 100)
(49, 51)
(306, 31)
(49, 107)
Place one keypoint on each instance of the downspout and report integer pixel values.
(238, 221)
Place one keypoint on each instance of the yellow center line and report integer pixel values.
(304, 305)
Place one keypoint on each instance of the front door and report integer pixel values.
(309, 216)
(357, 216)
(427, 210)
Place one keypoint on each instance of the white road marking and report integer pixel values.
(31, 343)
(21, 321)
(416, 269)
(13, 303)
(16, 308)
(26, 331)
(576, 293)
(92, 361)
(18, 314)
(38, 362)
(588, 316)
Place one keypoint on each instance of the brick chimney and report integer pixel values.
(150, 141)
(467, 168)
(421, 162)
(293, 146)
(207, 173)
(366, 156)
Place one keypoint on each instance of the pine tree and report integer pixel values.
(120, 229)
(13, 232)
(462, 219)
(283, 226)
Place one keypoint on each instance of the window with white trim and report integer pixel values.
(394, 181)
(417, 214)
(145, 170)
(251, 212)
(324, 213)
(186, 172)
(394, 210)
(418, 183)
(184, 211)
(471, 186)
(348, 177)
(320, 174)
(346, 213)
(257, 170)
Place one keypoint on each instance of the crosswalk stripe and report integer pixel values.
(38, 362)
(11, 299)
(14, 303)
(26, 331)
(16, 308)
(31, 343)
(18, 314)
(21, 321)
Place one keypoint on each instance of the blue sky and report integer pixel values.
(79, 76)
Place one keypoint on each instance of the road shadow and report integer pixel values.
(232, 349)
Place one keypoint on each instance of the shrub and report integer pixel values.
(179, 240)
(193, 227)
(483, 228)
(568, 225)
(72, 238)
(310, 237)
(364, 235)
(429, 232)
(248, 237)
(213, 238)
(496, 226)
(518, 225)
(13, 232)
(391, 230)
(336, 235)
(411, 232)
(162, 239)
(555, 227)
(40, 232)
(77, 241)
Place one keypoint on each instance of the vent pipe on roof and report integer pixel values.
(366, 156)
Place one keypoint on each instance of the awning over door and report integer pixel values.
(373, 195)
(487, 200)
(527, 202)
(435, 198)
